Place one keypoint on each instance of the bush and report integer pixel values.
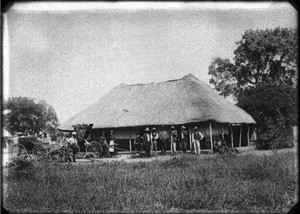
(274, 108)
(275, 138)
(20, 169)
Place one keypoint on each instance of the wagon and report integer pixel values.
(85, 147)
(30, 147)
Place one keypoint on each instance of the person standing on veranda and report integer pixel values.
(112, 143)
(173, 140)
(183, 139)
(147, 142)
(138, 144)
(163, 139)
(154, 140)
(198, 136)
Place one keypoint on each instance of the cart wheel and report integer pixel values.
(39, 153)
(18, 151)
(94, 149)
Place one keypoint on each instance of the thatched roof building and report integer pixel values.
(171, 102)
(182, 101)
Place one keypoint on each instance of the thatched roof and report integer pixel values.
(171, 102)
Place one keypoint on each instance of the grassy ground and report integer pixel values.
(242, 183)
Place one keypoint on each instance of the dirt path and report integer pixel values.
(128, 157)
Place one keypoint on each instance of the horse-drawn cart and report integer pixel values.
(31, 147)
(85, 147)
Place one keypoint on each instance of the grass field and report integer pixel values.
(242, 183)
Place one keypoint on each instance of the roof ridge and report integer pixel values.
(150, 83)
(185, 77)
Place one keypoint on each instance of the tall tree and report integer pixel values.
(274, 109)
(263, 79)
(27, 114)
(261, 56)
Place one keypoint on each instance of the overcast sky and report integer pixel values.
(71, 54)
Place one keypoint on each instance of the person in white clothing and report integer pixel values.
(173, 140)
(198, 136)
(154, 140)
(73, 144)
(112, 143)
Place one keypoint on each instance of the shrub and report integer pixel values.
(20, 169)
(275, 138)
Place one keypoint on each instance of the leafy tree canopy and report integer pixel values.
(263, 79)
(261, 56)
(27, 114)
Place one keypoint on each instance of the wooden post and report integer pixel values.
(130, 140)
(211, 138)
(222, 131)
(240, 143)
(231, 136)
(248, 136)
(190, 136)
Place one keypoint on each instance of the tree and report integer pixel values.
(261, 56)
(263, 79)
(273, 108)
(27, 114)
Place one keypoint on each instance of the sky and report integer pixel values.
(70, 54)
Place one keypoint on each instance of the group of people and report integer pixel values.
(220, 146)
(108, 146)
(147, 144)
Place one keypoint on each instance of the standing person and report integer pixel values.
(183, 139)
(154, 140)
(112, 143)
(163, 138)
(198, 136)
(147, 142)
(73, 144)
(138, 144)
(104, 144)
(173, 140)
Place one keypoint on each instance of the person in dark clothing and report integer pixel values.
(104, 144)
(138, 144)
(147, 142)
(217, 145)
(183, 139)
(163, 137)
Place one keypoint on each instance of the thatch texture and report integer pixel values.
(179, 101)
